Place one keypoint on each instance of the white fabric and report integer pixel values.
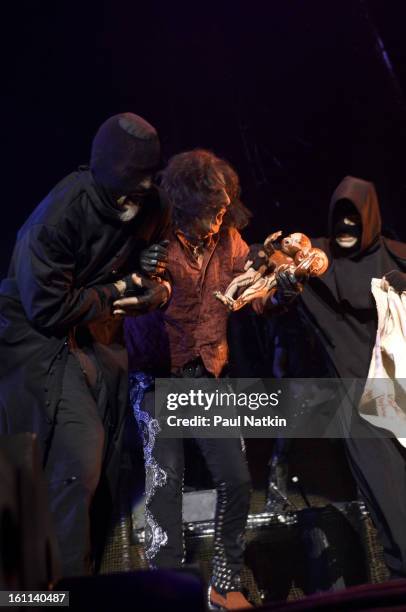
(383, 402)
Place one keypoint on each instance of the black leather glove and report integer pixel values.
(288, 288)
(131, 289)
(397, 280)
(153, 260)
(156, 293)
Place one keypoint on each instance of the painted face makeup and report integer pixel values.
(131, 204)
(211, 223)
(348, 232)
(130, 209)
(347, 229)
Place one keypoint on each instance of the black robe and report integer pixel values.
(340, 305)
(67, 256)
(334, 337)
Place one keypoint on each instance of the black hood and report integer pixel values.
(363, 197)
(125, 149)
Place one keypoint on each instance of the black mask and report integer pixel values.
(345, 209)
(125, 150)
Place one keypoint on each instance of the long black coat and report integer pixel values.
(60, 284)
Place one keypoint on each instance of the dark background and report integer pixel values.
(295, 93)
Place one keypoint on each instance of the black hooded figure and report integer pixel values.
(63, 365)
(338, 319)
(340, 302)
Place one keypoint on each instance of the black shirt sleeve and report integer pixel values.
(45, 274)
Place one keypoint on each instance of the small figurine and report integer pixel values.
(294, 252)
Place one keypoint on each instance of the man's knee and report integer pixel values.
(90, 461)
(234, 474)
(75, 458)
(236, 485)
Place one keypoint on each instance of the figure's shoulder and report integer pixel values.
(395, 247)
(53, 207)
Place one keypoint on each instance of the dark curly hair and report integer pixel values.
(194, 182)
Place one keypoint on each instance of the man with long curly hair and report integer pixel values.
(188, 339)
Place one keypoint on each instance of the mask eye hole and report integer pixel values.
(351, 220)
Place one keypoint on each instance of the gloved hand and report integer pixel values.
(397, 280)
(153, 260)
(288, 287)
(156, 294)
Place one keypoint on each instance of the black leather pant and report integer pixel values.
(164, 465)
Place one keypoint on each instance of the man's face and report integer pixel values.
(210, 222)
(347, 225)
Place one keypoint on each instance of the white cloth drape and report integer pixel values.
(383, 402)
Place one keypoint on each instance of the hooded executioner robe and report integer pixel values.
(341, 310)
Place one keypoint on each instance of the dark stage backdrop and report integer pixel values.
(295, 93)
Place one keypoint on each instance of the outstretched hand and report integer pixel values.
(288, 287)
(156, 295)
